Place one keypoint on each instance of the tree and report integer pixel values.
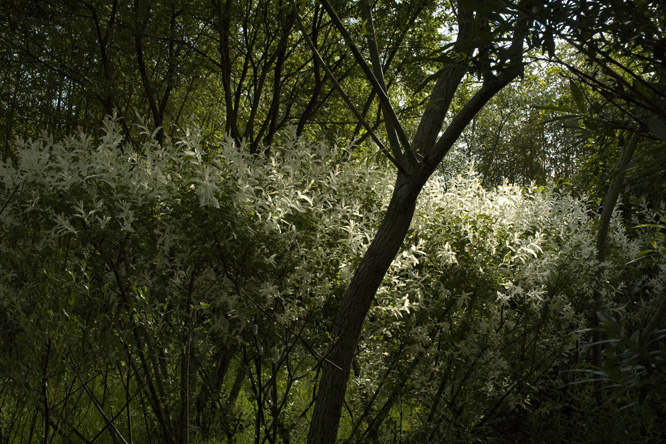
(178, 292)
(490, 39)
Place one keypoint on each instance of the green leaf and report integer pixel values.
(577, 96)
(650, 226)
(658, 128)
(611, 325)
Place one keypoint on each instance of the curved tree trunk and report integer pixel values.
(355, 305)
(416, 162)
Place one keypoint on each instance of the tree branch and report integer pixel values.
(366, 11)
(381, 93)
(397, 161)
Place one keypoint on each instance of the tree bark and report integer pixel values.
(222, 25)
(355, 305)
(613, 194)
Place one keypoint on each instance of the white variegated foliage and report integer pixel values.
(202, 247)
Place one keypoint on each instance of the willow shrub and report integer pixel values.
(484, 321)
(138, 285)
(184, 291)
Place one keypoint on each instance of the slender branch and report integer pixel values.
(366, 11)
(491, 86)
(394, 160)
(462, 119)
(222, 25)
(381, 93)
(611, 93)
(613, 194)
(9, 199)
(449, 78)
(45, 392)
(108, 421)
(141, 64)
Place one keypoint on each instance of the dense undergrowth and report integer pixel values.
(183, 293)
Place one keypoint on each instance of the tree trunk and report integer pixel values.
(377, 260)
(424, 154)
(602, 239)
(355, 305)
